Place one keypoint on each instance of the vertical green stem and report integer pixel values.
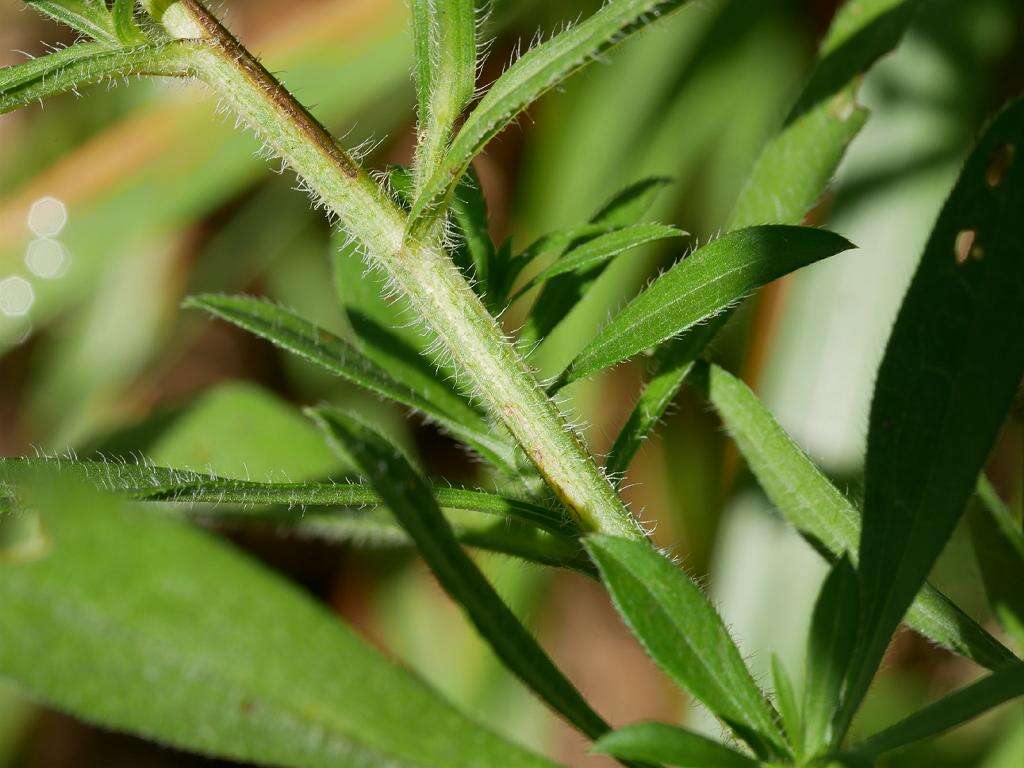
(440, 297)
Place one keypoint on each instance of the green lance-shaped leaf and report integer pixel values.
(90, 17)
(444, 34)
(796, 166)
(143, 481)
(85, 63)
(999, 546)
(789, 708)
(294, 334)
(824, 516)
(534, 74)
(669, 367)
(950, 371)
(701, 286)
(333, 511)
(125, 24)
(829, 648)
(670, 744)
(683, 633)
(474, 251)
(954, 710)
(150, 626)
(600, 250)
(558, 297)
(409, 498)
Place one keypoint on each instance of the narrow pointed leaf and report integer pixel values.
(701, 286)
(534, 74)
(300, 337)
(92, 19)
(602, 249)
(125, 24)
(823, 515)
(147, 482)
(410, 500)
(669, 744)
(789, 709)
(444, 33)
(795, 167)
(385, 330)
(84, 64)
(829, 648)
(682, 632)
(999, 548)
(950, 712)
(152, 627)
(670, 366)
(951, 369)
(560, 295)
(474, 252)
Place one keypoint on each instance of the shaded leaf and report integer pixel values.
(600, 249)
(663, 743)
(151, 627)
(829, 649)
(535, 73)
(683, 633)
(823, 515)
(669, 368)
(298, 336)
(950, 371)
(408, 497)
(950, 712)
(789, 709)
(701, 286)
(560, 295)
(999, 546)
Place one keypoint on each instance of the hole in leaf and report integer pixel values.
(967, 247)
(999, 164)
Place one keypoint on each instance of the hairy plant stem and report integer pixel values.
(438, 294)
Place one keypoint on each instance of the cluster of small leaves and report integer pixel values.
(276, 680)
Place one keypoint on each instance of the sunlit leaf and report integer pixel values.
(444, 34)
(701, 286)
(89, 17)
(128, 30)
(408, 497)
(538, 71)
(83, 64)
(342, 511)
(795, 167)
(298, 336)
(663, 743)
(152, 627)
(822, 514)
(951, 369)
(683, 633)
